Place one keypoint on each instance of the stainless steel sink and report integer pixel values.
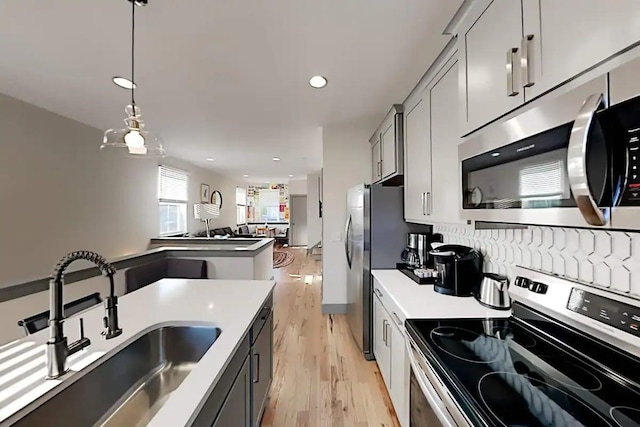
(130, 387)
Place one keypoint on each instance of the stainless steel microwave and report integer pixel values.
(572, 161)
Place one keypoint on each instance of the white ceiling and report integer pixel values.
(223, 78)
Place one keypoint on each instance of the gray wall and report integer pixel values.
(59, 193)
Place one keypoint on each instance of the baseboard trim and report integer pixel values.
(334, 308)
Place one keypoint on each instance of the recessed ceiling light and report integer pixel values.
(210, 159)
(246, 176)
(276, 159)
(124, 83)
(496, 154)
(318, 82)
(290, 176)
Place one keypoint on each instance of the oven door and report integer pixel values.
(552, 165)
(430, 403)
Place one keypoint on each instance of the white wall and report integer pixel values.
(297, 187)
(314, 222)
(346, 161)
(59, 193)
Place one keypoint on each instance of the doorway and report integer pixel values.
(298, 235)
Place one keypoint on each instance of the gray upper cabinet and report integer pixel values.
(568, 37)
(444, 202)
(491, 79)
(387, 147)
(376, 157)
(236, 409)
(417, 174)
(389, 152)
(516, 50)
(262, 365)
(432, 172)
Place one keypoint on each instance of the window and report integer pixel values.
(172, 200)
(543, 180)
(269, 206)
(241, 206)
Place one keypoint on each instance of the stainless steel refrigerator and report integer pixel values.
(375, 235)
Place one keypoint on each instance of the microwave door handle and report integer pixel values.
(577, 163)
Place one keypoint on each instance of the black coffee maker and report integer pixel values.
(459, 270)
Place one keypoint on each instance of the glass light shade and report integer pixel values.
(134, 140)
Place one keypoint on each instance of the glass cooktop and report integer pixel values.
(503, 372)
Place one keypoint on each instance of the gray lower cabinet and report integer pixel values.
(239, 397)
(262, 364)
(235, 410)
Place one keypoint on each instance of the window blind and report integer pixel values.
(542, 179)
(241, 196)
(172, 185)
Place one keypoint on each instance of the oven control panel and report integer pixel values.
(533, 286)
(610, 312)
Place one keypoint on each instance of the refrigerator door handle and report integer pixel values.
(347, 232)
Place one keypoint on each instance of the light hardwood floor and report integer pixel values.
(320, 377)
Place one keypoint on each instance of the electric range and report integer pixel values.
(568, 356)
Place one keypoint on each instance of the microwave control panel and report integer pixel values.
(621, 316)
(633, 175)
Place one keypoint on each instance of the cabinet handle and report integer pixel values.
(424, 195)
(397, 319)
(428, 203)
(388, 335)
(526, 62)
(377, 291)
(381, 163)
(384, 331)
(256, 368)
(511, 86)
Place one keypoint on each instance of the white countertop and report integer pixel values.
(422, 302)
(231, 305)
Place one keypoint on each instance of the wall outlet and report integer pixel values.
(336, 236)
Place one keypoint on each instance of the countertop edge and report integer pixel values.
(487, 312)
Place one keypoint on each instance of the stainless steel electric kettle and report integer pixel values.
(494, 292)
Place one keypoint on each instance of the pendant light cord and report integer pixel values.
(133, 41)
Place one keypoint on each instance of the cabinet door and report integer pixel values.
(237, 407)
(570, 36)
(399, 371)
(489, 45)
(381, 350)
(417, 171)
(388, 141)
(445, 202)
(376, 160)
(262, 369)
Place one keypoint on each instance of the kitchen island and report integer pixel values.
(229, 259)
(240, 309)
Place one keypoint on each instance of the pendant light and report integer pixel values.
(134, 140)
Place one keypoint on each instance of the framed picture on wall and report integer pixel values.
(204, 193)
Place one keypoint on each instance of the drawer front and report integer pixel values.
(396, 315)
(261, 319)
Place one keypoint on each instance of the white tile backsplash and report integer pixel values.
(609, 259)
